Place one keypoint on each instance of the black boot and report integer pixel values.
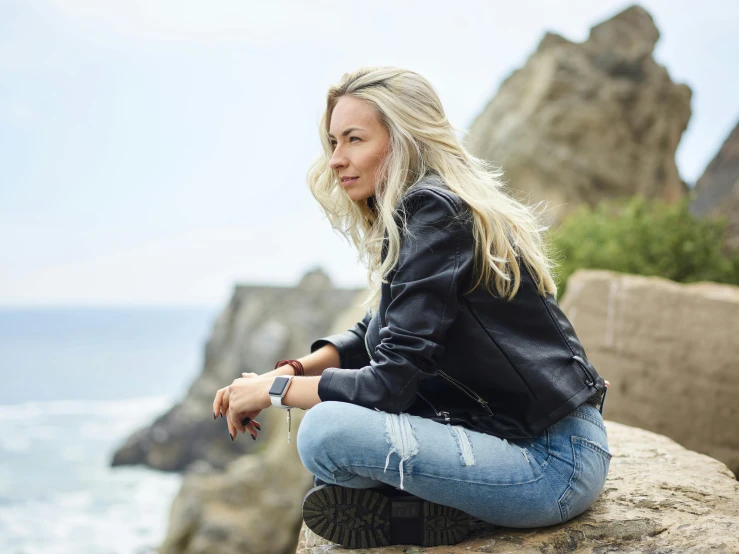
(369, 518)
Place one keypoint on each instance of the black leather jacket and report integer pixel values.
(506, 368)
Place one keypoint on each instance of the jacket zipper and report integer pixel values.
(445, 415)
(464, 388)
(468, 391)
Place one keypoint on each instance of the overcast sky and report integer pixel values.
(154, 151)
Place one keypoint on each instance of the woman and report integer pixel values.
(464, 372)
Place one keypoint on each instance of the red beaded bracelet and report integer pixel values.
(296, 365)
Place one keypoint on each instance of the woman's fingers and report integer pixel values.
(252, 426)
(217, 402)
(236, 422)
(225, 400)
(232, 428)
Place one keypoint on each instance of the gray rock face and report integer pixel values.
(259, 326)
(669, 350)
(582, 123)
(717, 190)
(659, 497)
(255, 504)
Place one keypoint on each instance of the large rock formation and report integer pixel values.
(259, 326)
(254, 505)
(582, 123)
(717, 190)
(659, 497)
(670, 352)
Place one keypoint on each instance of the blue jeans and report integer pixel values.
(513, 483)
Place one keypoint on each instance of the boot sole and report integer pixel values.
(370, 518)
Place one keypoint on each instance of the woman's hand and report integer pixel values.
(241, 402)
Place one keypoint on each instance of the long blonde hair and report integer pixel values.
(422, 141)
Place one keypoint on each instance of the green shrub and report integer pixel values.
(645, 237)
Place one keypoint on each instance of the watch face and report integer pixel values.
(278, 386)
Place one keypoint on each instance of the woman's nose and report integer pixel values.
(337, 160)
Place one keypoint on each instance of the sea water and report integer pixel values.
(74, 384)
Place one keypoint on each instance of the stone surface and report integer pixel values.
(584, 122)
(659, 497)
(717, 190)
(259, 326)
(670, 352)
(254, 504)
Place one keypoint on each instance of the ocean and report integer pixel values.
(74, 384)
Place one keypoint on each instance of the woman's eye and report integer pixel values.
(333, 144)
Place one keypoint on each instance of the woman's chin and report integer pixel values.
(358, 195)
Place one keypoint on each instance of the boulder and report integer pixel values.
(254, 503)
(260, 325)
(580, 123)
(670, 352)
(717, 190)
(659, 497)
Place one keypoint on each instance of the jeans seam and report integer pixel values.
(565, 496)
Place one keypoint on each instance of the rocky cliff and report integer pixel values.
(254, 504)
(717, 190)
(584, 122)
(259, 326)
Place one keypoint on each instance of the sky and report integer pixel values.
(154, 152)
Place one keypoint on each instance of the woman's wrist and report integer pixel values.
(286, 369)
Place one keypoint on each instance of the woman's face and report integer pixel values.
(360, 143)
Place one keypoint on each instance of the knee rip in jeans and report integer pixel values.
(466, 456)
(401, 439)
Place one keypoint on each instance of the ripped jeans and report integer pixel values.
(512, 483)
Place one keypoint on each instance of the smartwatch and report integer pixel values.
(279, 388)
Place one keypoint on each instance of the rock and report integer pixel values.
(585, 122)
(255, 504)
(717, 190)
(260, 325)
(659, 497)
(668, 349)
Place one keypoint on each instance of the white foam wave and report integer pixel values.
(25, 410)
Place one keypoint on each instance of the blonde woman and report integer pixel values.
(464, 391)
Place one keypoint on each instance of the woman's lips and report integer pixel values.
(349, 181)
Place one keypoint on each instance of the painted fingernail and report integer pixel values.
(252, 436)
(230, 435)
(257, 426)
(246, 421)
(214, 415)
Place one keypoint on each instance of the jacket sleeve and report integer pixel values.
(350, 344)
(422, 306)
